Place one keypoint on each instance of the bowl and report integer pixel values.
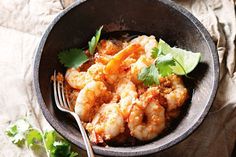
(75, 26)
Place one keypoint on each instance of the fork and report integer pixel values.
(62, 104)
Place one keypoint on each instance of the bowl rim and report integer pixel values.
(128, 150)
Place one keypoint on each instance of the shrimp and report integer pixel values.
(153, 93)
(89, 100)
(77, 79)
(175, 93)
(148, 43)
(146, 121)
(107, 123)
(136, 67)
(128, 95)
(126, 66)
(102, 58)
(96, 72)
(147, 117)
(108, 47)
(113, 66)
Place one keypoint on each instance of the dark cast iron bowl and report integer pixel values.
(75, 26)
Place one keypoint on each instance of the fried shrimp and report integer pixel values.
(77, 79)
(146, 121)
(96, 72)
(113, 66)
(147, 42)
(177, 94)
(128, 95)
(108, 47)
(107, 123)
(86, 103)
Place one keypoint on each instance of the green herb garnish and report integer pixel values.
(22, 133)
(72, 57)
(164, 63)
(56, 146)
(76, 57)
(17, 132)
(94, 41)
(149, 75)
(167, 61)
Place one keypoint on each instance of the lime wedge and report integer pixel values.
(186, 61)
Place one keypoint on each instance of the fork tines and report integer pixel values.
(59, 94)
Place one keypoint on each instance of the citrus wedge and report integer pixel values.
(186, 61)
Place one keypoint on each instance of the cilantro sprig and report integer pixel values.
(17, 132)
(76, 57)
(160, 68)
(167, 61)
(49, 142)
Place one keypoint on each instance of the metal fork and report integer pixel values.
(63, 105)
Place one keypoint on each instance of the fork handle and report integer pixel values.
(84, 135)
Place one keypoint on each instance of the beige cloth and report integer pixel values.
(22, 22)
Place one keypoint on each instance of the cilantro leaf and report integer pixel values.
(57, 146)
(60, 148)
(49, 138)
(33, 138)
(12, 130)
(94, 41)
(51, 144)
(16, 132)
(72, 57)
(18, 139)
(149, 75)
(34, 141)
(156, 51)
(164, 63)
